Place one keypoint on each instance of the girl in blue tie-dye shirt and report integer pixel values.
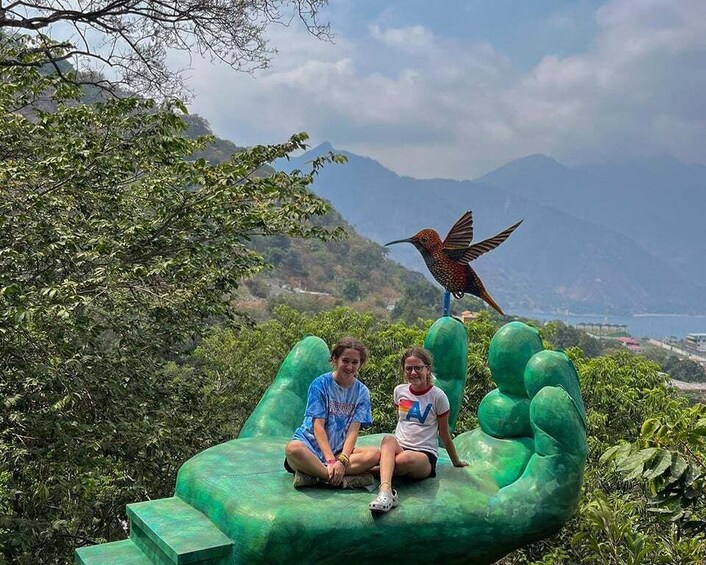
(338, 406)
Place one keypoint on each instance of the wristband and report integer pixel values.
(343, 458)
(330, 461)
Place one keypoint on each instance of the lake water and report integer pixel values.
(657, 326)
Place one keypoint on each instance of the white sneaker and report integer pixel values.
(384, 502)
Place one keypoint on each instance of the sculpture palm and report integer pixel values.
(523, 481)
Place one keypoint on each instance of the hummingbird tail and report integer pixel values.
(475, 286)
(489, 299)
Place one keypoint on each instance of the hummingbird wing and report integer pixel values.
(461, 233)
(477, 249)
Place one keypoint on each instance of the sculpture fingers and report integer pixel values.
(547, 493)
(281, 408)
(554, 368)
(447, 340)
(499, 451)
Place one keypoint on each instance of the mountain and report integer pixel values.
(588, 242)
(658, 203)
(311, 275)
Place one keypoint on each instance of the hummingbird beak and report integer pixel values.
(408, 240)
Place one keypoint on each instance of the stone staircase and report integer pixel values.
(164, 532)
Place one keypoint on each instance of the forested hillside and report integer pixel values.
(315, 275)
(351, 270)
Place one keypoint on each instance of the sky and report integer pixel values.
(455, 89)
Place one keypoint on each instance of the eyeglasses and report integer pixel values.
(417, 368)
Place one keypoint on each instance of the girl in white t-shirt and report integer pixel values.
(422, 418)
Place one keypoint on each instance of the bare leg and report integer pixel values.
(389, 448)
(362, 460)
(412, 464)
(301, 458)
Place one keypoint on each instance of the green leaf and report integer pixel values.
(678, 467)
(637, 460)
(649, 427)
(658, 465)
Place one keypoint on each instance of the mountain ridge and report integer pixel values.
(604, 267)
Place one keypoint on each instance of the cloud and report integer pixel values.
(431, 104)
(638, 83)
(409, 38)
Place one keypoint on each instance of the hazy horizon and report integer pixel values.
(455, 93)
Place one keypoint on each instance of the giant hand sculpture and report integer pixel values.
(523, 481)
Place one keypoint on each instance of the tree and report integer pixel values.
(684, 369)
(419, 300)
(561, 336)
(130, 39)
(351, 290)
(117, 251)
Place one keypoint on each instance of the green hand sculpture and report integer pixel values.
(523, 480)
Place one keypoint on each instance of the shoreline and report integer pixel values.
(527, 314)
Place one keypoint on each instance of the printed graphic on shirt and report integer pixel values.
(417, 417)
(336, 408)
(411, 410)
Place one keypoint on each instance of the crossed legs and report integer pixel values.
(301, 458)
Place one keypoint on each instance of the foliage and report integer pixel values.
(131, 38)
(117, 251)
(562, 336)
(668, 460)
(684, 369)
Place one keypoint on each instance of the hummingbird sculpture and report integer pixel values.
(448, 260)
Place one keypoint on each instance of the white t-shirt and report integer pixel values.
(417, 413)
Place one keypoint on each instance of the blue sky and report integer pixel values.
(454, 89)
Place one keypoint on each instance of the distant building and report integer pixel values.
(467, 316)
(696, 341)
(630, 342)
(599, 328)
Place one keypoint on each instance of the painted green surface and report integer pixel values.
(523, 482)
(285, 400)
(123, 552)
(182, 533)
(516, 490)
(448, 341)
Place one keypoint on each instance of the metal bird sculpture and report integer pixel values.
(448, 260)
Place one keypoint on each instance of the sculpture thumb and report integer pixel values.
(447, 340)
(281, 408)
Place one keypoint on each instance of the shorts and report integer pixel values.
(432, 461)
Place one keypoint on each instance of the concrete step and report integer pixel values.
(123, 552)
(170, 531)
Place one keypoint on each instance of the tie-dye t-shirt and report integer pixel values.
(337, 405)
(417, 413)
